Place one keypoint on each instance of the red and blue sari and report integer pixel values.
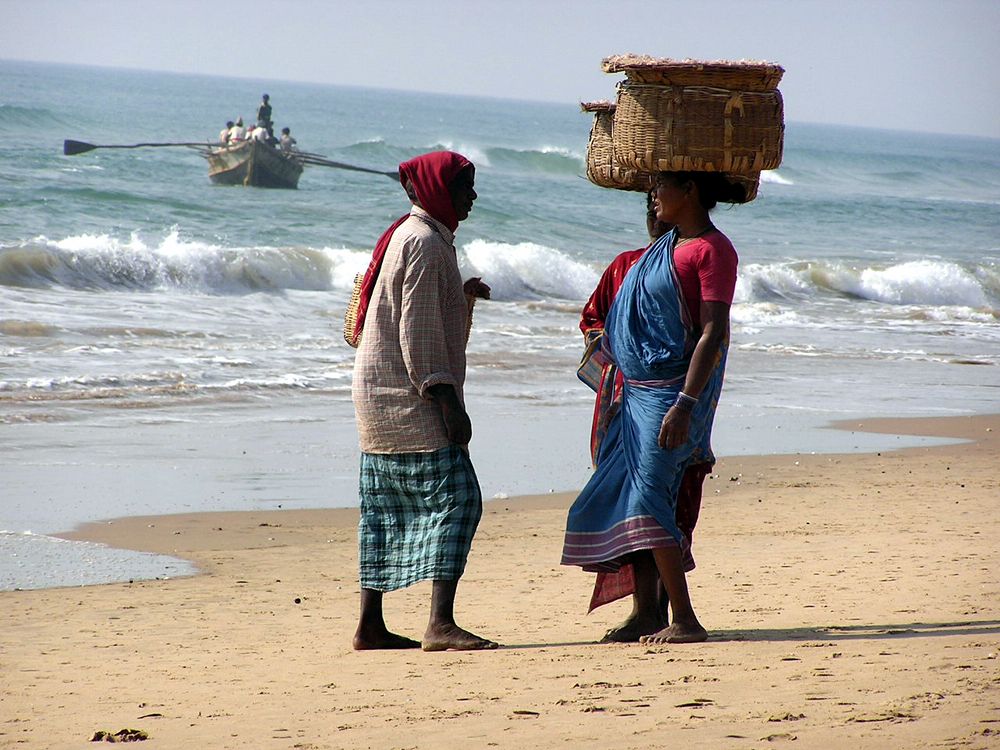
(630, 502)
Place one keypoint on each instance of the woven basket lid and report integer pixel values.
(601, 105)
(741, 75)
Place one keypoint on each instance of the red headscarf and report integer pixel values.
(429, 175)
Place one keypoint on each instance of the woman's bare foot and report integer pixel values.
(453, 638)
(365, 640)
(634, 628)
(679, 632)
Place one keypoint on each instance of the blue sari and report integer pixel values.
(630, 502)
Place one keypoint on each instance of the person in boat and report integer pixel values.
(287, 142)
(224, 133)
(420, 498)
(667, 331)
(237, 133)
(258, 133)
(264, 115)
(637, 575)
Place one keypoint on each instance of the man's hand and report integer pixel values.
(476, 288)
(457, 424)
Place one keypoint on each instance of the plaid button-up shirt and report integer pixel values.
(414, 338)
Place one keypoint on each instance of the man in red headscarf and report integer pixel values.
(420, 498)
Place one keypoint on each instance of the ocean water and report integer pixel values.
(168, 345)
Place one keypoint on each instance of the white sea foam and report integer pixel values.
(772, 177)
(928, 283)
(561, 151)
(527, 271)
(345, 264)
(88, 261)
(954, 314)
(921, 282)
(760, 282)
(286, 380)
(764, 314)
(798, 350)
(475, 154)
(515, 272)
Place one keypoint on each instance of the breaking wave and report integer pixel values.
(103, 262)
(543, 159)
(916, 283)
(100, 262)
(523, 271)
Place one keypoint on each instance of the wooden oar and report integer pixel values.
(72, 148)
(320, 162)
(309, 154)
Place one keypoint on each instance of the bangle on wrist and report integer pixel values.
(685, 402)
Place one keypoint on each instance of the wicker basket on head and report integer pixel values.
(697, 128)
(742, 75)
(601, 167)
(603, 171)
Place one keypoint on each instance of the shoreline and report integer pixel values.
(136, 532)
(164, 469)
(851, 600)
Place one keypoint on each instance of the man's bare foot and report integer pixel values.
(367, 641)
(634, 628)
(678, 633)
(453, 638)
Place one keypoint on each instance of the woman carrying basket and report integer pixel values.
(667, 331)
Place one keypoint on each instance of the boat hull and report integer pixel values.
(252, 163)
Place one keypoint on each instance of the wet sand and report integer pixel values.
(851, 600)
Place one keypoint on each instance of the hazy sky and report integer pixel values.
(929, 65)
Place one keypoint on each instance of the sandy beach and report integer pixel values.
(851, 600)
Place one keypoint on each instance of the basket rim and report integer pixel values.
(631, 61)
(617, 178)
(703, 89)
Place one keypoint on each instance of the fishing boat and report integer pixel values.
(244, 163)
(253, 163)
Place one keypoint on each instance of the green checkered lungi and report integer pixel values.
(419, 512)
